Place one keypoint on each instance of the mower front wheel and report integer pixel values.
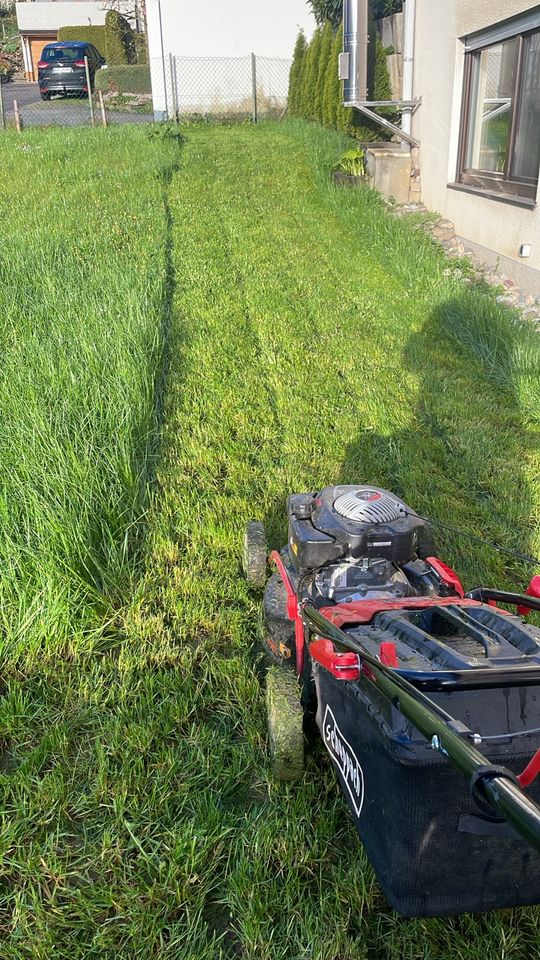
(285, 723)
(255, 552)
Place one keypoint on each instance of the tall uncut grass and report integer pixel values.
(82, 287)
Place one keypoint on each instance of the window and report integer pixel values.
(500, 124)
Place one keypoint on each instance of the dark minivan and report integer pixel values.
(62, 68)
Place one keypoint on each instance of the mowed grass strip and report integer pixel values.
(82, 302)
(313, 339)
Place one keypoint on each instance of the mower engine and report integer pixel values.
(358, 543)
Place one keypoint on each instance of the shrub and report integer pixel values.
(141, 47)
(6, 70)
(93, 35)
(132, 78)
(120, 45)
(352, 162)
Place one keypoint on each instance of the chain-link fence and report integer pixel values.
(227, 88)
(24, 106)
(177, 88)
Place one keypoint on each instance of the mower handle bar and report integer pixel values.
(494, 788)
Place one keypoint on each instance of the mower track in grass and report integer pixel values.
(313, 339)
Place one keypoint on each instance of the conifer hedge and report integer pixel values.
(316, 93)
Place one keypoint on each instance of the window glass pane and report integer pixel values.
(494, 74)
(527, 151)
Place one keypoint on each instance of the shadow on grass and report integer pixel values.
(462, 460)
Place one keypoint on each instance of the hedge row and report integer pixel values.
(134, 78)
(316, 93)
(93, 35)
(115, 40)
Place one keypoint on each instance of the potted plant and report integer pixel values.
(350, 170)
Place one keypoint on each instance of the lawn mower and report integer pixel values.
(427, 698)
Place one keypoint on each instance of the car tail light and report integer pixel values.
(79, 63)
(42, 64)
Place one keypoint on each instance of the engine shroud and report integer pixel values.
(352, 523)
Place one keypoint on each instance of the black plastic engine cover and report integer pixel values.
(318, 534)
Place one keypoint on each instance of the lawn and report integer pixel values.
(188, 335)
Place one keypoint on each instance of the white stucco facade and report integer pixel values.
(50, 15)
(499, 226)
(220, 29)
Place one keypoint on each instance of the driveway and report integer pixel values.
(68, 112)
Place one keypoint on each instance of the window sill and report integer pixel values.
(512, 199)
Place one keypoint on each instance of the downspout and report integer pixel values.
(355, 45)
(353, 68)
(409, 20)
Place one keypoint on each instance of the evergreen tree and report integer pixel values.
(295, 76)
(332, 85)
(310, 76)
(327, 38)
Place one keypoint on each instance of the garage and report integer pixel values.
(33, 45)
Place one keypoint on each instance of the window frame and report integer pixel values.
(502, 183)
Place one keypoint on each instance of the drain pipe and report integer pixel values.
(409, 19)
(353, 69)
(355, 45)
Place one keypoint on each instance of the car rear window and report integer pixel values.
(63, 53)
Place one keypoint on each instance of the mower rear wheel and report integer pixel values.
(285, 723)
(255, 552)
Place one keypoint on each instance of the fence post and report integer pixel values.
(172, 69)
(89, 85)
(254, 85)
(2, 118)
(17, 116)
(175, 94)
(102, 108)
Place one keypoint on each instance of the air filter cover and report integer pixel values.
(369, 506)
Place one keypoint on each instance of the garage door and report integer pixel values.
(36, 46)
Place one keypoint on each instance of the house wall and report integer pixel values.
(499, 227)
(213, 28)
(35, 17)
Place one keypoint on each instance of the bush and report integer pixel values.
(93, 35)
(134, 78)
(6, 70)
(120, 44)
(141, 47)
